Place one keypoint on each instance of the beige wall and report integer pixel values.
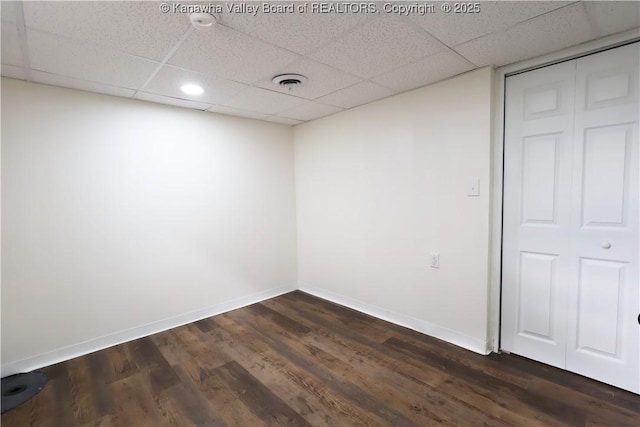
(380, 187)
(121, 214)
(121, 218)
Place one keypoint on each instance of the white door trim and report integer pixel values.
(498, 164)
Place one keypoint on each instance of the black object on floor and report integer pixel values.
(17, 389)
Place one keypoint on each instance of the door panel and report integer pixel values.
(603, 333)
(544, 101)
(605, 175)
(599, 314)
(539, 179)
(537, 288)
(570, 292)
(610, 87)
(536, 226)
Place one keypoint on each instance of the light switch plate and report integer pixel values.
(434, 260)
(473, 188)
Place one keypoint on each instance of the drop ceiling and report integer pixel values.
(134, 50)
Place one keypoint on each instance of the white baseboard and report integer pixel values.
(419, 325)
(95, 344)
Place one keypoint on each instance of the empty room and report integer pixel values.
(318, 213)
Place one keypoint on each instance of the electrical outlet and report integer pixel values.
(473, 187)
(435, 260)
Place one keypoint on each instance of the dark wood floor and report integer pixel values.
(298, 360)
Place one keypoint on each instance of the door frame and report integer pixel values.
(497, 158)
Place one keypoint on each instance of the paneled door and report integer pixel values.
(570, 293)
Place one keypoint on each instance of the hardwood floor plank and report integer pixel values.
(577, 383)
(224, 407)
(493, 367)
(56, 371)
(431, 381)
(293, 386)
(58, 396)
(90, 396)
(105, 421)
(323, 319)
(191, 403)
(149, 358)
(135, 402)
(169, 346)
(258, 398)
(435, 397)
(361, 323)
(205, 325)
(559, 410)
(511, 367)
(299, 360)
(280, 365)
(338, 375)
(193, 341)
(173, 412)
(226, 404)
(279, 319)
(119, 363)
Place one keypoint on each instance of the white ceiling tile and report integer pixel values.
(455, 28)
(376, 46)
(169, 80)
(8, 11)
(322, 79)
(106, 47)
(152, 97)
(298, 32)
(56, 80)
(11, 53)
(13, 72)
(548, 33)
(425, 71)
(136, 27)
(283, 120)
(221, 109)
(609, 17)
(310, 111)
(56, 55)
(264, 101)
(231, 55)
(358, 94)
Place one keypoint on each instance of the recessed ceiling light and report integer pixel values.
(192, 89)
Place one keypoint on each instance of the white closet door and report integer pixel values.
(603, 331)
(570, 235)
(537, 217)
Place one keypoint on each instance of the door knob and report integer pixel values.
(605, 245)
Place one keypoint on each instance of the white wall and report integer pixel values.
(380, 187)
(121, 218)
(120, 214)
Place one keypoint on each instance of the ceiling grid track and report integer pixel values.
(22, 36)
(166, 59)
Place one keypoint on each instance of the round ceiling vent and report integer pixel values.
(202, 21)
(289, 81)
